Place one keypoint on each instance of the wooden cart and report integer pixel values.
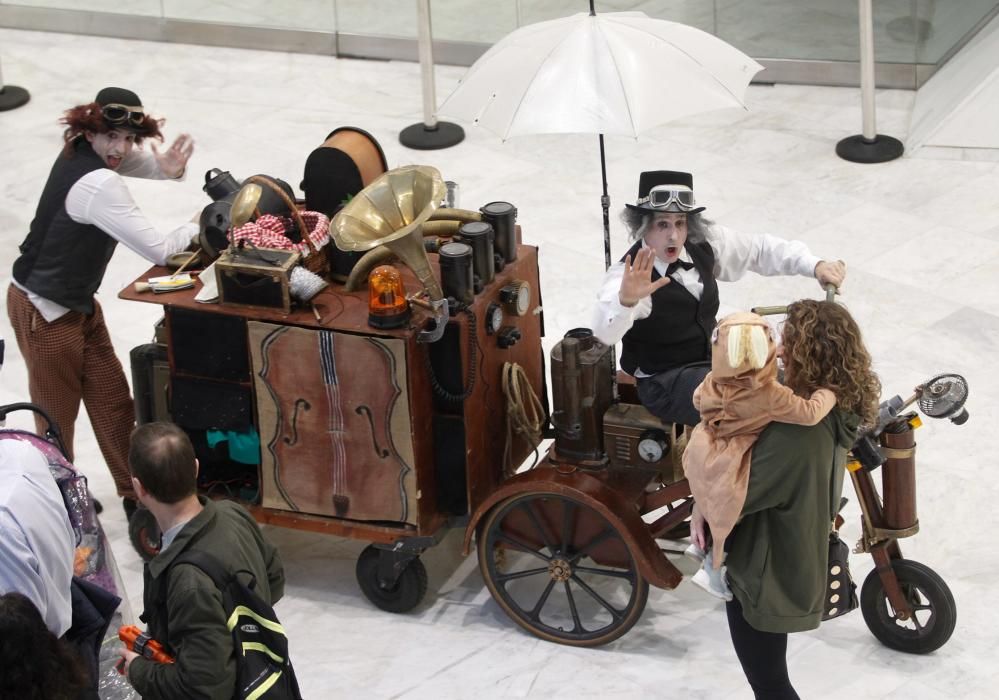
(364, 433)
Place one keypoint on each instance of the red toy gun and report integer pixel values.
(142, 644)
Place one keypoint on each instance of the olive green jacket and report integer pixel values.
(194, 630)
(779, 551)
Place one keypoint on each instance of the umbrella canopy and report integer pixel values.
(613, 73)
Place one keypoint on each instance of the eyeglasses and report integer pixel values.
(119, 114)
(664, 196)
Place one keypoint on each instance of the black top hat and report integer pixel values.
(122, 98)
(683, 183)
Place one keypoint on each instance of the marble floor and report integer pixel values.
(920, 235)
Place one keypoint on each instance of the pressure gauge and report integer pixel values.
(516, 297)
(651, 445)
(494, 318)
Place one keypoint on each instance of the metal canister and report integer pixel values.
(219, 184)
(456, 272)
(479, 235)
(503, 218)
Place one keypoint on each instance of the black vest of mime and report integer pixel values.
(678, 331)
(62, 260)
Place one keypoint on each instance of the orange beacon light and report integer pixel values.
(387, 305)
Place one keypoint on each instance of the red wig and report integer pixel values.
(88, 117)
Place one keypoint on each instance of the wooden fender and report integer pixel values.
(624, 516)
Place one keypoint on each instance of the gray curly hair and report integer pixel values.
(638, 223)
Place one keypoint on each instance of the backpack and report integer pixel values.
(263, 669)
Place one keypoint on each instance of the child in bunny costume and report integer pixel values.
(737, 400)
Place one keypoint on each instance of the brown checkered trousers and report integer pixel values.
(72, 359)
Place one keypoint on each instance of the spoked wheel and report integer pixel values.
(561, 570)
(399, 597)
(144, 533)
(934, 610)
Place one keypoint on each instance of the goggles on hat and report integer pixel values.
(664, 196)
(120, 114)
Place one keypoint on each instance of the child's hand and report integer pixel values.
(698, 535)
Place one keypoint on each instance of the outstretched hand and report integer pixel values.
(829, 272)
(173, 161)
(636, 283)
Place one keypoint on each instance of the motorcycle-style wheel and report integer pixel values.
(560, 570)
(934, 611)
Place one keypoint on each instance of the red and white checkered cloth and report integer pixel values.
(268, 232)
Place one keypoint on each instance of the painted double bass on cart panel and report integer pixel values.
(334, 421)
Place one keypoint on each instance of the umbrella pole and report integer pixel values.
(605, 203)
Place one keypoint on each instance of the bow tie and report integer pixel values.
(674, 266)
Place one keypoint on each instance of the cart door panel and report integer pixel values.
(334, 421)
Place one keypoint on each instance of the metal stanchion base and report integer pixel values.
(880, 149)
(12, 97)
(444, 135)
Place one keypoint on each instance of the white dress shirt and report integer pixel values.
(735, 254)
(37, 542)
(102, 199)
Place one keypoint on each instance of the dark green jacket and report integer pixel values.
(779, 550)
(195, 630)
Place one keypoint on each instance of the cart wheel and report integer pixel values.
(144, 533)
(402, 597)
(934, 610)
(560, 570)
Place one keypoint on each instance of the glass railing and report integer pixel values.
(915, 32)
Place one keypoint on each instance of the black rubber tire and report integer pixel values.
(935, 611)
(628, 580)
(144, 533)
(407, 592)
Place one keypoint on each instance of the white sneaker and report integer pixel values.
(695, 553)
(712, 580)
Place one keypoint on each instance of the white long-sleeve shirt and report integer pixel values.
(735, 255)
(102, 199)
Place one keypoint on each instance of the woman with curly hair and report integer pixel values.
(84, 212)
(778, 551)
(34, 663)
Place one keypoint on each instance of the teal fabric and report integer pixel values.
(243, 447)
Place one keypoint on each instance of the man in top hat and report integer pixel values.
(84, 212)
(661, 299)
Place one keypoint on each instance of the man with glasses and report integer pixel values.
(660, 301)
(84, 212)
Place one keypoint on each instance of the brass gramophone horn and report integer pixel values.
(245, 204)
(390, 212)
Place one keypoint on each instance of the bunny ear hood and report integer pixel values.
(743, 351)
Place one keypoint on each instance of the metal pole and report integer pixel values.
(431, 134)
(867, 105)
(426, 49)
(868, 146)
(11, 96)
(605, 204)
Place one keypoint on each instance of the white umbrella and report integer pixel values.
(614, 73)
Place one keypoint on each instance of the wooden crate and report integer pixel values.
(256, 277)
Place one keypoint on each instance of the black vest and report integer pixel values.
(678, 331)
(62, 260)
